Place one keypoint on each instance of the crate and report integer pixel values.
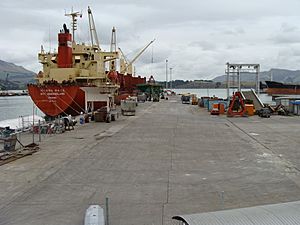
(9, 143)
(128, 107)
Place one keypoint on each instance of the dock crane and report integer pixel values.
(113, 48)
(128, 67)
(93, 32)
(124, 62)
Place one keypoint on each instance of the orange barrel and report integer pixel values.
(215, 106)
(249, 109)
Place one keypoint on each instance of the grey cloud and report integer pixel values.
(285, 27)
(204, 45)
(197, 37)
(286, 38)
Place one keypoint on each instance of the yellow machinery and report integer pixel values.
(194, 99)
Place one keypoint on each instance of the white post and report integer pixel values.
(228, 82)
(257, 79)
(239, 78)
(33, 123)
(171, 78)
(166, 74)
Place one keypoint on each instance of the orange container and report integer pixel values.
(215, 106)
(221, 108)
(249, 109)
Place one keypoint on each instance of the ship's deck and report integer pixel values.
(170, 159)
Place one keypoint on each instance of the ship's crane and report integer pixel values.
(123, 55)
(129, 64)
(123, 61)
(113, 48)
(93, 32)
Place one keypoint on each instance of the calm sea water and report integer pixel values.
(16, 106)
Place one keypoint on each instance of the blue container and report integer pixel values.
(205, 102)
(211, 102)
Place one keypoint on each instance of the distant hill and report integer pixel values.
(13, 76)
(280, 75)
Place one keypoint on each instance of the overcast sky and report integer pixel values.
(196, 36)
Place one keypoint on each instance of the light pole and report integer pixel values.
(171, 78)
(166, 74)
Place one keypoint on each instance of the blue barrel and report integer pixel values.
(81, 120)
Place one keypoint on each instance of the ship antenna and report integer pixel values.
(74, 16)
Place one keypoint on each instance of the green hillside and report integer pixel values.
(13, 76)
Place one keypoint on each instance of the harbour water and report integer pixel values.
(16, 106)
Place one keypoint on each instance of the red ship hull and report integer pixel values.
(58, 99)
(277, 88)
(54, 100)
(128, 86)
(128, 83)
(282, 91)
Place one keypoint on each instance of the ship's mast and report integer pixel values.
(74, 16)
(113, 42)
(93, 32)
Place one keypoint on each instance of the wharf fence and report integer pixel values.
(32, 131)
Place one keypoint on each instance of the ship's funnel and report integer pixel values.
(64, 48)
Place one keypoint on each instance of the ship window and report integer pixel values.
(88, 49)
(92, 57)
(77, 59)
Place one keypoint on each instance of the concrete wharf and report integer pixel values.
(169, 159)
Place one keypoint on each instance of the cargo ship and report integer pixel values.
(277, 88)
(75, 79)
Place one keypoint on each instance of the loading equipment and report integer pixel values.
(237, 105)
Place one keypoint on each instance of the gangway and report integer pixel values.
(251, 95)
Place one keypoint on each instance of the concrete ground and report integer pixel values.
(169, 159)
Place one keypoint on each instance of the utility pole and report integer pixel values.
(171, 86)
(166, 74)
